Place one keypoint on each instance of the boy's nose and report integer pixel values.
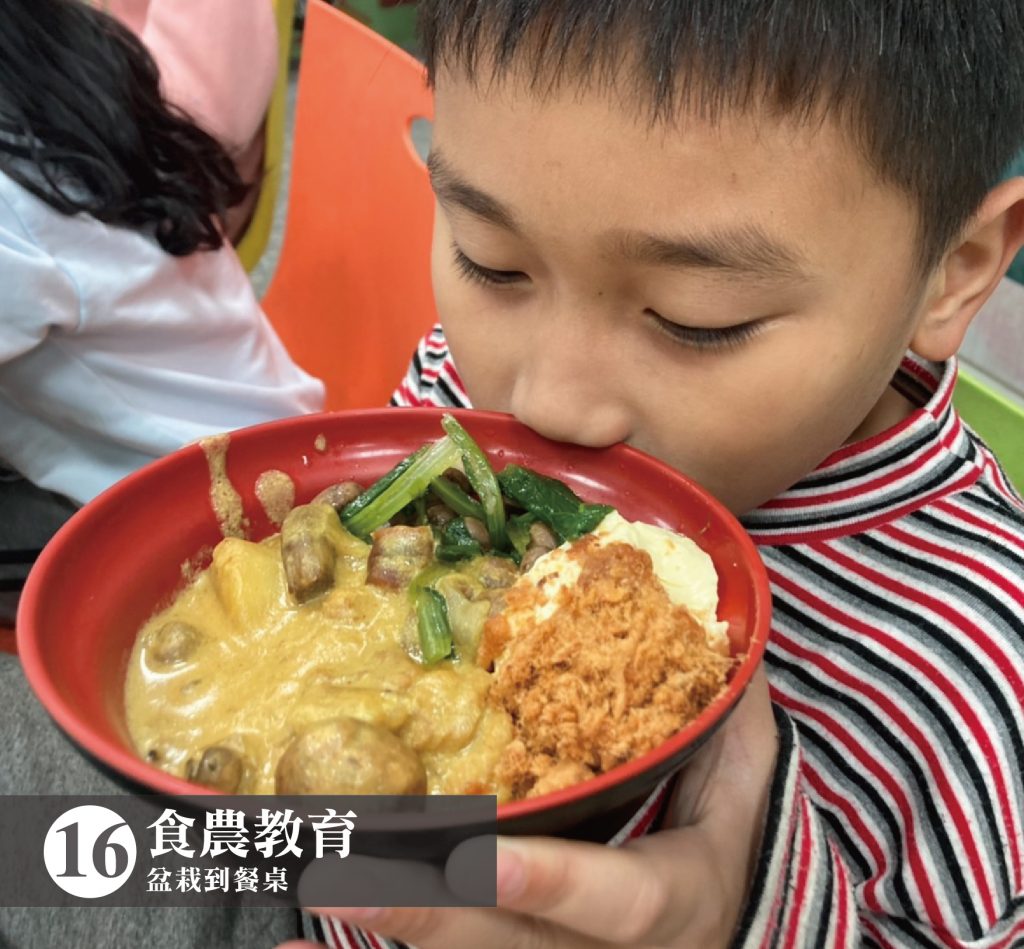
(563, 395)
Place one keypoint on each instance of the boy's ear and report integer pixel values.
(970, 271)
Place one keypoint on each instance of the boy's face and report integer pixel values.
(732, 298)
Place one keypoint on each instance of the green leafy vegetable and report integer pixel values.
(552, 502)
(434, 628)
(405, 486)
(457, 543)
(482, 478)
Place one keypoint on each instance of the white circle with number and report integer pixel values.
(89, 851)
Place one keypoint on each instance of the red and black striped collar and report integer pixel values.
(874, 481)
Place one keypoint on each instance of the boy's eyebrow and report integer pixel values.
(747, 249)
(451, 189)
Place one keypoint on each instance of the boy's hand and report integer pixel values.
(681, 886)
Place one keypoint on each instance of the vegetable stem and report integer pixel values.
(456, 498)
(406, 486)
(375, 490)
(482, 478)
(434, 628)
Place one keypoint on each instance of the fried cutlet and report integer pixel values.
(613, 671)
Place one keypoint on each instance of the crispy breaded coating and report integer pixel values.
(613, 672)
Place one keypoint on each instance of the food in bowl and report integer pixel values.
(599, 656)
(448, 630)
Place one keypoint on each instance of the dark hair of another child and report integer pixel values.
(83, 126)
(932, 91)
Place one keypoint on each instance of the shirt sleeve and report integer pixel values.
(805, 894)
(432, 378)
(38, 296)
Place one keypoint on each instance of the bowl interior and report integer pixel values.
(125, 555)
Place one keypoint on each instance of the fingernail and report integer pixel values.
(511, 871)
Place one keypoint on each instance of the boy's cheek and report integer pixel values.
(485, 359)
(746, 426)
(748, 452)
(487, 344)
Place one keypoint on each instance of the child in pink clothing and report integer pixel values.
(217, 62)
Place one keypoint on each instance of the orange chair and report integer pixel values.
(351, 295)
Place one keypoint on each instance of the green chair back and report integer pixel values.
(997, 419)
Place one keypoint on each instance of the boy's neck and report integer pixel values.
(891, 409)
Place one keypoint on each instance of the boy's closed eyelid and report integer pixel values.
(710, 337)
(477, 273)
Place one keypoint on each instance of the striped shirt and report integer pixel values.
(896, 663)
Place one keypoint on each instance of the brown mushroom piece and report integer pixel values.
(496, 573)
(542, 540)
(398, 554)
(347, 756)
(339, 495)
(439, 514)
(173, 643)
(306, 550)
(543, 536)
(478, 531)
(219, 768)
(459, 479)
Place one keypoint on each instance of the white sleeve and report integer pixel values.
(36, 295)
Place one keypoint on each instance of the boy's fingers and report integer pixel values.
(461, 928)
(564, 894)
(631, 895)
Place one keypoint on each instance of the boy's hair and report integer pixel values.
(83, 127)
(932, 91)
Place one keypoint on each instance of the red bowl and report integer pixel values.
(120, 559)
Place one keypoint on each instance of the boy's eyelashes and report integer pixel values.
(696, 337)
(705, 337)
(476, 273)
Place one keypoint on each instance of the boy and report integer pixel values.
(748, 238)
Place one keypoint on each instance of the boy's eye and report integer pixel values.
(703, 337)
(473, 271)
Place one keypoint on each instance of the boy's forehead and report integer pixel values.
(515, 143)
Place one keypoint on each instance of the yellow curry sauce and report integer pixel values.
(264, 667)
